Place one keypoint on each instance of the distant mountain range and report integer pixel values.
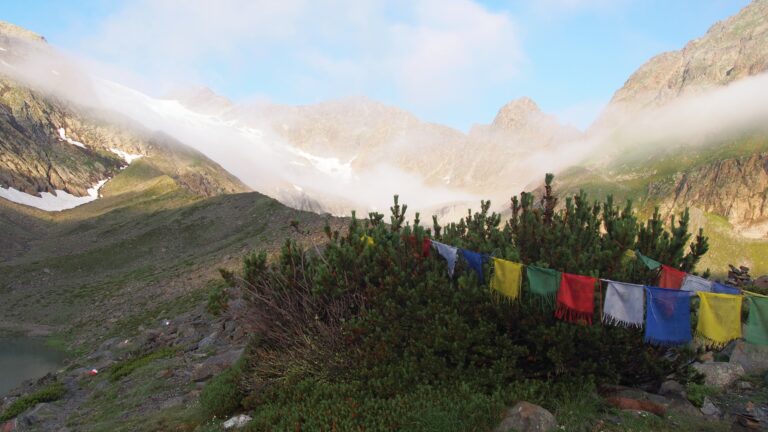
(676, 134)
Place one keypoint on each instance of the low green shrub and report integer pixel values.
(48, 394)
(126, 367)
(217, 297)
(697, 392)
(375, 308)
(222, 395)
(311, 404)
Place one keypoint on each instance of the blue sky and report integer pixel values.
(449, 61)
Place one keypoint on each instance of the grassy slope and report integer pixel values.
(630, 175)
(147, 247)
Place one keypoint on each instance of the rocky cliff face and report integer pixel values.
(731, 50)
(736, 189)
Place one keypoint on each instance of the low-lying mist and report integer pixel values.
(267, 162)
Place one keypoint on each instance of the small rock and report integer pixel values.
(753, 358)
(709, 409)
(172, 402)
(625, 403)
(213, 365)
(684, 408)
(237, 422)
(165, 373)
(527, 417)
(720, 374)
(40, 414)
(744, 385)
(208, 340)
(673, 389)
(8, 426)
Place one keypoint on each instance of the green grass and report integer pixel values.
(697, 392)
(726, 247)
(126, 367)
(51, 393)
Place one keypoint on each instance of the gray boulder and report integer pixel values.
(753, 358)
(709, 409)
(673, 389)
(527, 417)
(720, 374)
(213, 365)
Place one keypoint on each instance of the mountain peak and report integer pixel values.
(516, 114)
(12, 30)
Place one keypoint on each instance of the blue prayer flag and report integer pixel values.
(475, 261)
(724, 289)
(667, 316)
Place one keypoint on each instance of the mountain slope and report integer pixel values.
(722, 176)
(731, 50)
(49, 145)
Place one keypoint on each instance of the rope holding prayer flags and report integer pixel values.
(667, 316)
(719, 318)
(576, 298)
(475, 261)
(448, 252)
(756, 330)
(507, 278)
(624, 304)
(670, 277)
(543, 283)
(695, 283)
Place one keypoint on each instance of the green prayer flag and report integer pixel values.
(756, 331)
(544, 283)
(649, 262)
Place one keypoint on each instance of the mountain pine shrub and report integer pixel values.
(375, 309)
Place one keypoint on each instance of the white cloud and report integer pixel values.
(558, 8)
(425, 51)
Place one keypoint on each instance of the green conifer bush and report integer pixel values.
(375, 307)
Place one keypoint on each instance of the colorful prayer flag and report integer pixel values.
(667, 316)
(695, 283)
(576, 298)
(652, 264)
(507, 277)
(724, 289)
(475, 261)
(624, 304)
(719, 318)
(449, 253)
(756, 330)
(544, 283)
(670, 277)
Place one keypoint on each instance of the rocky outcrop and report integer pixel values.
(732, 49)
(734, 188)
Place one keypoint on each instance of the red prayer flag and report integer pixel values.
(576, 298)
(426, 246)
(671, 277)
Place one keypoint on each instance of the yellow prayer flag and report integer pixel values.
(719, 318)
(507, 277)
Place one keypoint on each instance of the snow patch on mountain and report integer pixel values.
(63, 136)
(127, 157)
(58, 201)
(330, 166)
